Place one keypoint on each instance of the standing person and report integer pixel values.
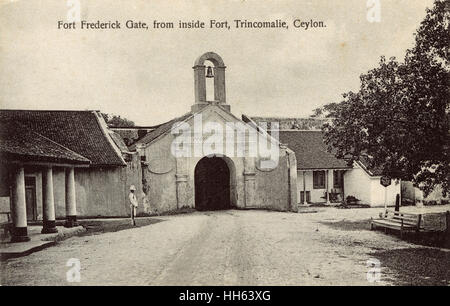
(133, 204)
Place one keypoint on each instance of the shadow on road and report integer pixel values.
(346, 225)
(95, 227)
(434, 239)
(416, 267)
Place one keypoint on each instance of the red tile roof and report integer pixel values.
(78, 131)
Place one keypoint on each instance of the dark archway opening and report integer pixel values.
(212, 184)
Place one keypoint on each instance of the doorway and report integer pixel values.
(30, 198)
(212, 184)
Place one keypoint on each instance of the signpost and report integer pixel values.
(385, 181)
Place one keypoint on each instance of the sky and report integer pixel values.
(146, 75)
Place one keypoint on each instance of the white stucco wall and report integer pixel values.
(366, 188)
(378, 191)
(357, 183)
(271, 189)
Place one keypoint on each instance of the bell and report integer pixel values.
(209, 72)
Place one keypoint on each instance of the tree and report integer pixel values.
(117, 121)
(399, 119)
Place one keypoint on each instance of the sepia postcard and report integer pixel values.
(232, 149)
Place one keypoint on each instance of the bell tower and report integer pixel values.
(218, 73)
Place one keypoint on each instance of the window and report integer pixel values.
(337, 178)
(319, 179)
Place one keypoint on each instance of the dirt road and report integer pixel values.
(330, 247)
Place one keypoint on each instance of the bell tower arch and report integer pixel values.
(218, 73)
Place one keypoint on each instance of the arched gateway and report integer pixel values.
(213, 184)
(200, 175)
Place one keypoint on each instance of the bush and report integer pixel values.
(351, 200)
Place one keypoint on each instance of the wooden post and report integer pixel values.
(401, 230)
(304, 188)
(419, 221)
(447, 221)
(326, 186)
(397, 202)
(385, 200)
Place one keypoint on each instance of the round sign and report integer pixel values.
(385, 181)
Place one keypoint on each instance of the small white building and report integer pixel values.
(411, 194)
(319, 173)
(364, 184)
(323, 178)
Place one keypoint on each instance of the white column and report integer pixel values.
(71, 204)
(48, 209)
(19, 207)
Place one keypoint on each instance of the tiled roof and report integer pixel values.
(364, 162)
(310, 150)
(17, 142)
(78, 131)
(118, 141)
(132, 134)
(160, 130)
